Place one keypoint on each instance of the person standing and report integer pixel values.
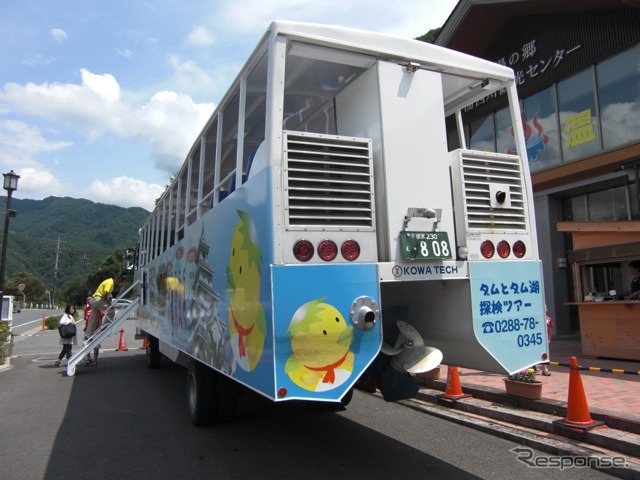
(67, 343)
(634, 287)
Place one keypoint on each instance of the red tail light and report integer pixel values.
(350, 250)
(504, 249)
(327, 250)
(487, 249)
(519, 249)
(303, 250)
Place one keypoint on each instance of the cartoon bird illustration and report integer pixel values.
(320, 340)
(247, 325)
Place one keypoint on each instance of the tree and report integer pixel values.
(74, 293)
(34, 290)
(430, 36)
(109, 267)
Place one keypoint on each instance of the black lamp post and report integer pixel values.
(10, 185)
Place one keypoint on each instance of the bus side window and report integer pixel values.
(245, 176)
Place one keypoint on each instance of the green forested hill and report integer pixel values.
(88, 232)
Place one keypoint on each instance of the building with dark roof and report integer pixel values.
(577, 64)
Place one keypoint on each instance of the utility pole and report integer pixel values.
(55, 275)
(85, 262)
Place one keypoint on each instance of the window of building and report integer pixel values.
(610, 204)
(569, 120)
(634, 202)
(619, 97)
(578, 116)
(541, 130)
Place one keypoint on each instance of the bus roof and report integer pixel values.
(391, 47)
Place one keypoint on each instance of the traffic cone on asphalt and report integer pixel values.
(454, 390)
(122, 346)
(145, 344)
(578, 416)
(44, 323)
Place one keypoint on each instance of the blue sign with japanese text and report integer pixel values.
(508, 311)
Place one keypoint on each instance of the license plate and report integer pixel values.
(425, 245)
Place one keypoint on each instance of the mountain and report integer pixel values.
(87, 232)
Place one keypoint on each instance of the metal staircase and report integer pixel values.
(106, 329)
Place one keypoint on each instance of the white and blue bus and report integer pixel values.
(330, 223)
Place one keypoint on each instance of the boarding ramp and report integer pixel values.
(108, 328)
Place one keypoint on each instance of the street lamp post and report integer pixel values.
(10, 185)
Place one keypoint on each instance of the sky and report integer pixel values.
(102, 99)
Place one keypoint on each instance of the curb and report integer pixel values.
(615, 420)
(609, 438)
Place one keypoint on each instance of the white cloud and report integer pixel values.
(124, 191)
(39, 183)
(19, 137)
(406, 18)
(105, 86)
(200, 36)
(58, 34)
(19, 146)
(124, 52)
(188, 76)
(168, 124)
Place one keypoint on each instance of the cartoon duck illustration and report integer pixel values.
(247, 325)
(320, 340)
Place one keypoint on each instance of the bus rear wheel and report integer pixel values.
(211, 397)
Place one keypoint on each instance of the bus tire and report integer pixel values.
(201, 391)
(346, 400)
(153, 353)
(333, 406)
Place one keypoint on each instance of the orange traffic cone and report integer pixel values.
(44, 323)
(578, 416)
(122, 346)
(145, 344)
(454, 390)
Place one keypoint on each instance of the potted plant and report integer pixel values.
(524, 384)
(433, 374)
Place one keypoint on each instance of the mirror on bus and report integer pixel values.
(129, 258)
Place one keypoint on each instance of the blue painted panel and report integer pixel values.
(210, 294)
(319, 352)
(508, 311)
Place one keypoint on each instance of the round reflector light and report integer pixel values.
(487, 249)
(504, 249)
(303, 250)
(327, 250)
(350, 250)
(519, 249)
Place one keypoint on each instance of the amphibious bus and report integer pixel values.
(331, 223)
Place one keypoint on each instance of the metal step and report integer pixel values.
(105, 331)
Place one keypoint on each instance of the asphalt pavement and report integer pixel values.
(612, 398)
